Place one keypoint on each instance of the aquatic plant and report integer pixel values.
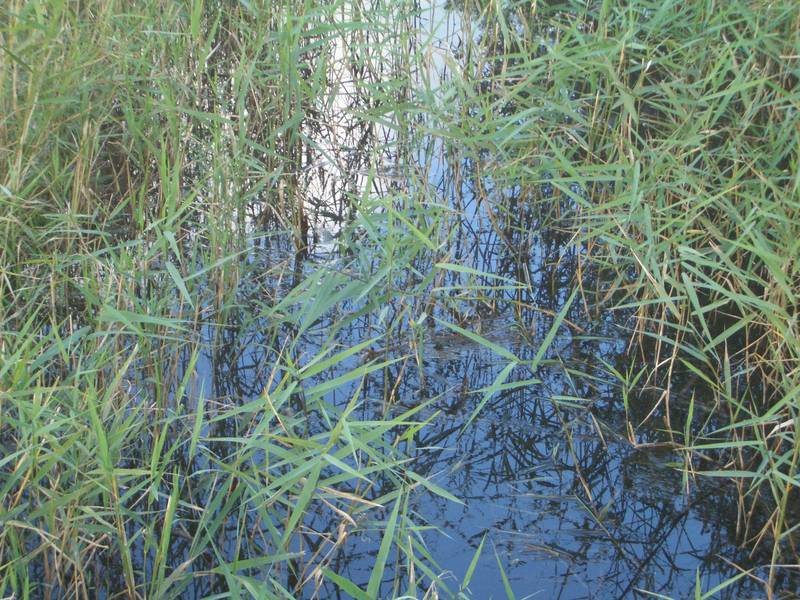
(246, 247)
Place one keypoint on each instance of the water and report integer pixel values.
(567, 500)
(549, 477)
(567, 505)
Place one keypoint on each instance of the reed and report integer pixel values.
(149, 152)
(669, 131)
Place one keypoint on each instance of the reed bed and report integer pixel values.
(672, 131)
(149, 152)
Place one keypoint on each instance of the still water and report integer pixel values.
(567, 500)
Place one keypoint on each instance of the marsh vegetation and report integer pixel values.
(381, 299)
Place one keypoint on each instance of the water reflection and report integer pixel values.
(566, 504)
(572, 510)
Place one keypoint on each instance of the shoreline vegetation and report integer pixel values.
(176, 177)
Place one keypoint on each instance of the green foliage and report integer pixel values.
(145, 146)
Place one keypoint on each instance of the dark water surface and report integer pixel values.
(569, 502)
(567, 505)
(549, 477)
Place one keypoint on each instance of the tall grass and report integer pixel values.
(671, 132)
(167, 167)
(146, 148)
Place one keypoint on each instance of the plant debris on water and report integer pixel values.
(399, 299)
